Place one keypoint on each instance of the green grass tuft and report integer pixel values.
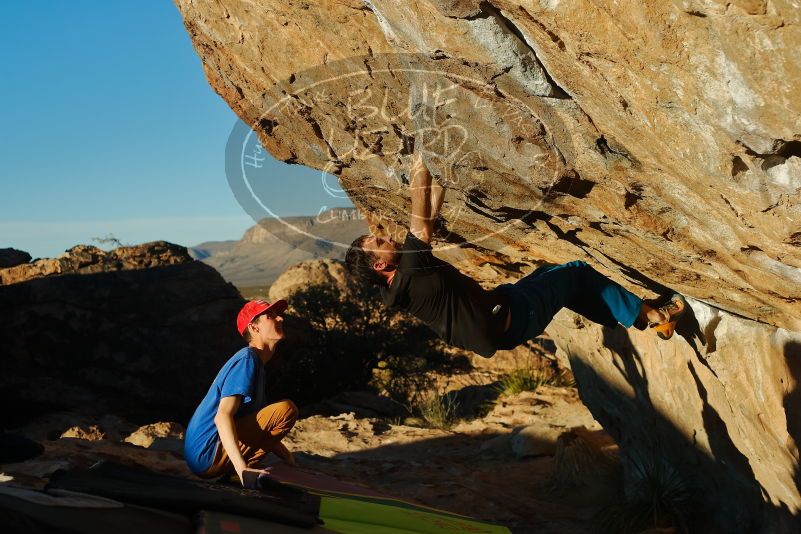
(529, 379)
(438, 411)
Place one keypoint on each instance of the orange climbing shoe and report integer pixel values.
(674, 309)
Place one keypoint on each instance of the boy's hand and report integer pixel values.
(250, 477)
(240, 469)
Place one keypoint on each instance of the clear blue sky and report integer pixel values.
(109, 126)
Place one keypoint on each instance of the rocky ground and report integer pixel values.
(517, 465)
(502, 467)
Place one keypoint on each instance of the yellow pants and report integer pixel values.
(258, 434)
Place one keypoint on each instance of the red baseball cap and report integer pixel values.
(254, 308)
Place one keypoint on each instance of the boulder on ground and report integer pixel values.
(309, 273)
(85, 259)
(158, 436)
(535, 440)
(114, 332)
(11, 257)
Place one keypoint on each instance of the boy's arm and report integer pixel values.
(227, 430)
(422, 224)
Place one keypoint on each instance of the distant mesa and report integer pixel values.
(268, 248)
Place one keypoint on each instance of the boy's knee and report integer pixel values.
(282, 414)
(288, 409)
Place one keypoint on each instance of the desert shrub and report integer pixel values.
(518, 381)
(109, 240)
(658, 496)
(531, 378)
(339, 341)
(436, 411)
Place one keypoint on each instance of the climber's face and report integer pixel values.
(384, 250)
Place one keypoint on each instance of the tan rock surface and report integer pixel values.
(92, 433)
(659, 136)
(159, 436)
(658, 140)
(308, 273)
(84, 259)
(68, 453)
(721, 401)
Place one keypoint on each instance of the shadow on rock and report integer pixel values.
(475, 400)
(450, 473)
(792, 401)
(142, 343)
(727, 496)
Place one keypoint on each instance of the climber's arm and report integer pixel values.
(437, 198)
(422, 223)
(427, 198)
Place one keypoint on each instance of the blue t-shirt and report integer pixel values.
(242, 375)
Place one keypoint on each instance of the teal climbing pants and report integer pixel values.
(536, 298)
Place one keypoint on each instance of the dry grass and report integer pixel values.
(531, 378)
(437, 411)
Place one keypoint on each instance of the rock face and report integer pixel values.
(657, 140)
(721, 402)
(308, 273)
(138, 332)
(83, 259)
(159, 436)
(638, 135)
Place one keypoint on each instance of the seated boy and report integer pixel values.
(234, 428)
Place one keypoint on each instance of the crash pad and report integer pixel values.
(355, 509)
(142, 487)
(209, 522)
(38, 512)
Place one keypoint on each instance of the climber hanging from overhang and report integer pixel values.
(464, 314)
